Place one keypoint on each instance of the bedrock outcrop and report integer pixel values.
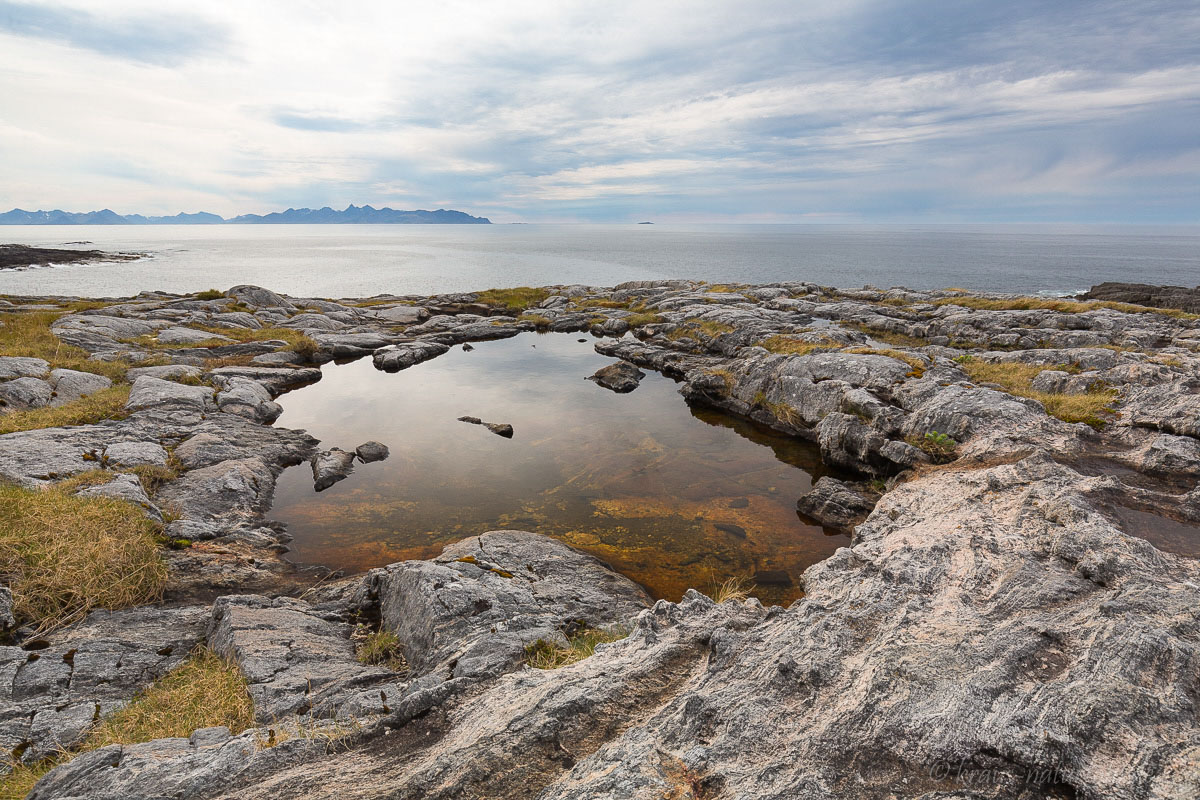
(999, 626)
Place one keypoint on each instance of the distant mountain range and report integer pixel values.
(353, 215)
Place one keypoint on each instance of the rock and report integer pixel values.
(619, 377)
(259, 297)
(1143, 294)
(401, 315)
(352, 345)
(275, 380)
(396, 357)
(7, 620)
(155, 393)
(471, 612)
(248, 399)
(128, 488)
(166, 372)
(231, 488)
(34, 458)
(135, 454)
(831, 502)
(498, 428)
(51, 692)
(21, 367)
(368, 452)
(21, 394)
(185, 336)
(331, 466)
(295, 662)
(70, 385)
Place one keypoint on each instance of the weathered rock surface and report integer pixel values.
(368, 452)
(831, 502)
(331, 466)
(69, 385)
(620, 377)
(1143, 294)
(20, 394)
(394, 358)
(499, 428)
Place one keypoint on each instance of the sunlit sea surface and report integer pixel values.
(362, 260)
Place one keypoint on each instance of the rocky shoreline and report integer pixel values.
(997, 628)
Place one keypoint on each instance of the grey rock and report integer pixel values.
(352, 345)
(498, 428)
(134, 454)
(259, 297)
(125, 487)
(331, 466)
(295, 662)
(249, 399)
(394, 358)
(189, 336)
(166, 372)
(21, 367)
(619, 377)
(24, 393)
(33, 458)
(7, 620)
(401, 315)
(235, 488)
(276, 380)
(371, 451)
(70, 385)
(480, 602)
(155, 393)
(831, 502)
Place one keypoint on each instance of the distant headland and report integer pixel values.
(352, 215)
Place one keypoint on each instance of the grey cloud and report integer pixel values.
(167, 39)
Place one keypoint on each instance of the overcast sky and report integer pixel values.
(848, 111)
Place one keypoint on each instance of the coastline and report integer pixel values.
(997, 440)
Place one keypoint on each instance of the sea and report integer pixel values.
(337, 261)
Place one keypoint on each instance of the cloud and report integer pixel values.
(152, 38)
(766, 109)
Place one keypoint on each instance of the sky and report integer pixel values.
(561, 111)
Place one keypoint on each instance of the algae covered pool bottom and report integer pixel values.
(672, 496)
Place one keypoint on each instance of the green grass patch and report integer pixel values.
(63, 555)
(105, 404)
(551, 655)
(515, 299)
(1093, 408)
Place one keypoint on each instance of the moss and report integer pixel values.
(64, 555)
(105, 404)
(517, 299)
(552, 655)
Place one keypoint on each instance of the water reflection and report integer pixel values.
(672, 498)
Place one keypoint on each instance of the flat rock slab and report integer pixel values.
(21, 367)
(69, 385)
(620, 377)
(21, 394)
(149, 392)
(396, 357)
(484, 598)
(295, 661)
(190, 336)
(50, 694)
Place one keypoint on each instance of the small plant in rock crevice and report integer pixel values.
(938, 446)
(582, 644)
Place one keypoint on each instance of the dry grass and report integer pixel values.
(1016, 378)
(550, 655)
(917, 364)
(736, 590)
(787, 345)
(210, 294)
(726, 377)
(105, 404)
(890, 337)
(538, 321)
(202, 692)
(1064, 306)
(640, 318)
(691, 327)
(600, 302)
(28, 334)
(516, 299)
(63, 556)
(380, 647)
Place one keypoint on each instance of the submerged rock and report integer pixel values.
(499, 428)
(619, 377)
(831, 502)
(368, 452)
(331, 466)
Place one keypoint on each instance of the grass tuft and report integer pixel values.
(379, 647)
(551, 655)
(516, 299)
(640, 318)
(1093, 408)
(63, 556)
(28, 334)
(105, 404)
(203, 692)
(210, 294)
(736, 589)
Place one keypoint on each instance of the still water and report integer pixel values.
(672, 496)
(363, 260)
